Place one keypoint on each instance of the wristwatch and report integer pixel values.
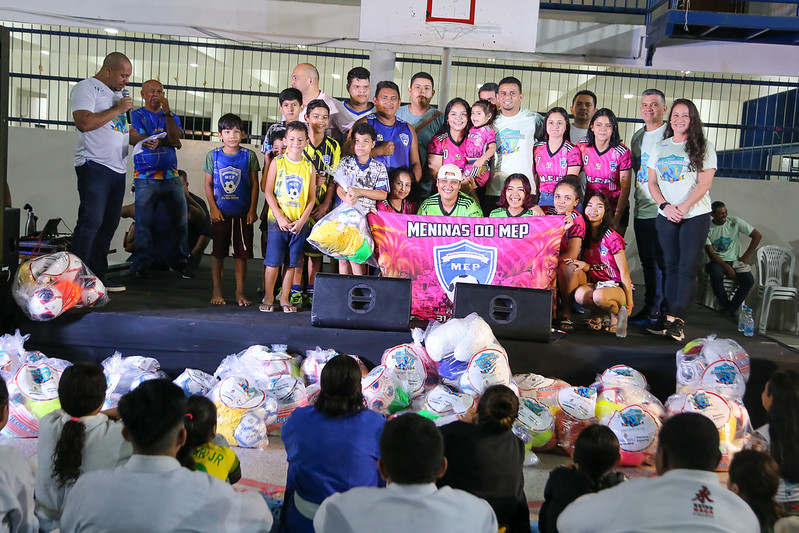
(663, 205)
(170, 114)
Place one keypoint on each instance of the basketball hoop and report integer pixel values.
(450, 31)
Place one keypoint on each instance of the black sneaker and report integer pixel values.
(674, 329)
(658, 328)
(110, 286)
(642, 318)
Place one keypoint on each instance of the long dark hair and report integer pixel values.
(489, 109)
(445, 125)
(757, 476)
(695, 144)
(340, 388)
(615, 138)
(81, 391)
(605, 223)
(529, 197)
(567, 133)
(596, 452)
(783, 422)
(200, 422)
(497, 409)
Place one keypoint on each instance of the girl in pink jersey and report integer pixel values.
(400, 179)
(566, 197)
(609, 286)
(607, 163)
(554, 157)
(481, 142)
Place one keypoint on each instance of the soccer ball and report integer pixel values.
(45, 303)
(92, 291)
(463, 278)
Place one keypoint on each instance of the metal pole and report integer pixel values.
(443, 83)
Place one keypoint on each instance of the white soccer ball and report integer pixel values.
(92, 291)
(45, 303)
(463, 278)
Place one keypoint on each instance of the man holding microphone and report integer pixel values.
(101, 153)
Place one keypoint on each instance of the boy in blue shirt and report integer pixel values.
(231, 186)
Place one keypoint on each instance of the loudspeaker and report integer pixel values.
(11, 238)
(361, 302)
(512, 312)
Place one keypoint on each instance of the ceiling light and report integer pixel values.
(195, 65)
(628, 96)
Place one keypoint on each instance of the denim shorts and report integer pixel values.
(281, 243)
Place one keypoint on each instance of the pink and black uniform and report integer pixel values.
(599, 256)
(603, 170)
(476, 144)
(408, 208)
(449, 150)
(552, 167)
(576, 231)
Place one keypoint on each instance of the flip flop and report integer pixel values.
(594, 324)
(289, 308)
(566, 324)
(266, 308)
(610, 328)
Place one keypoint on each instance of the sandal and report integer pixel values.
(287, 308)
(610, 328)
(266, 308)
(566, 324)
(594, 323)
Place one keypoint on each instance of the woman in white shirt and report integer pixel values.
(681, 170)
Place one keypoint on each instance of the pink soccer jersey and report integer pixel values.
(475, 146)
(577, 229)
(599, 255)
(551, 168)
(449, 150)
(602, 170)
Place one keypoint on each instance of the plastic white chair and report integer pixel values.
(775, 266)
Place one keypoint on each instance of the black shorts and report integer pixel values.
(235, 231)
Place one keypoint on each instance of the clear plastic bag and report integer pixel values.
(195, 382)
(47, 286)
(344, 233)
(123, 374)
(243, 412)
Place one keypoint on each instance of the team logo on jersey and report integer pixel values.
(703, 503)
(293, 188)
(563, 163)
(230, 178)
(722, 244)
(405, 139)
(120, 123)
(379, 137)
(464, 261)
(613, 166)
(508, 141)
(598, 166)
(671, 168)
(548, 164)
(326, 159)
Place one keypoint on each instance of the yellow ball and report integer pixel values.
(605, 409)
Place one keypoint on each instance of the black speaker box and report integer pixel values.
(512, 312)
(11, 238)
(361, 302)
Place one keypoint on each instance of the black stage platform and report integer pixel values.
(169, 318)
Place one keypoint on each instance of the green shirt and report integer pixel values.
(501, 212)
(464, 207)
(724, 239)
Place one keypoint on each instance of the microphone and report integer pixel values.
(125, 94)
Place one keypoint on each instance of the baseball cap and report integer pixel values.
(449, 168)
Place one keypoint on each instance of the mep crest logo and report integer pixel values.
(293, 188)
(326, 159)
(603, 250)
(726, 374)
(700, 401)
(230, 178)
(671, 168)
(631, 418)
(404, 139)
(613, 166)
(464, 261)
(563, 163)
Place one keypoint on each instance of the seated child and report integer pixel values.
(755, 477)
(596, 452)
(400, 180)
(231, 187)
(361, 179)
(199, 452)
(16, 481)
(75, 439)
(290, 191)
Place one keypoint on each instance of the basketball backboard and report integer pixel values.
(474, 24)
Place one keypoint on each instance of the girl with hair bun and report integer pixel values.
(485, 458)
(75, 439)
(200, 452)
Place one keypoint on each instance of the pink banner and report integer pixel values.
(439, 252)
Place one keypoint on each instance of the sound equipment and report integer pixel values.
(10, 252)
(512, 312)
(361, 302)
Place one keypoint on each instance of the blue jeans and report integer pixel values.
(646, 236)
(101, 191)
(164, 197)
(745, 283)
(682, 244)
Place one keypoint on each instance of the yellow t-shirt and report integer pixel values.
(291, 186)
(217, 461)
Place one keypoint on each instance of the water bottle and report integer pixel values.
(621, 323)
(749, 327)
(742, 318)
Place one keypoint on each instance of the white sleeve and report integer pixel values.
(710, 158)
(586, 514)
(83, 97)
(254, 515)
(329, 518)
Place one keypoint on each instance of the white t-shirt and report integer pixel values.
(346, 117)
(331, 102)
(679, 500)
(576, 134)
(16, 492)
(670, 161)
(645, 206)
(108, 144)
(515, 141)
